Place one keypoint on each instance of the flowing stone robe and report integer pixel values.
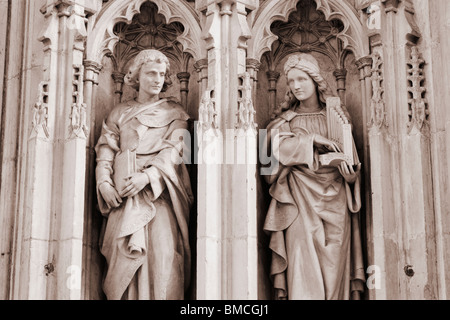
(312, 219)
(146, 242)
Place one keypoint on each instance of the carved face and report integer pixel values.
(301, 84)
(151, 78)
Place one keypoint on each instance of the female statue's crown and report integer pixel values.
(302, 61)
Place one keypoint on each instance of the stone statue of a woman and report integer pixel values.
(314, 253)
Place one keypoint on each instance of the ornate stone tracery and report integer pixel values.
(103, 39)
(148, 30)
(306, 30)
(417, 103)
(377, 104)
(40, 112)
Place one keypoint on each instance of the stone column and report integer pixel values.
(118, 78)
(226, 243)
(273, 77)
(16, 18)
(253, 66)
(364, 65)
(403, 217)
(49, 259)
(209, 143)
(92, 220)
(201, 66)
(183, 77)
(341, 75)
(437, 71)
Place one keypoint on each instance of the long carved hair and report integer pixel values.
(308, 64)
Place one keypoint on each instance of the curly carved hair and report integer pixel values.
(144, 57)
(308, 64)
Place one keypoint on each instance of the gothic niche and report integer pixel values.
(147, 30)
(307, 30)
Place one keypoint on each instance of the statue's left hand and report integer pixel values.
(348, 173)
(136, 182)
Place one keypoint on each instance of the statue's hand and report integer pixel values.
(136, 182)
(110, 195)
(322, 141)
(348, 173)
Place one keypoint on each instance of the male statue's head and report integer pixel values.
(149, 73)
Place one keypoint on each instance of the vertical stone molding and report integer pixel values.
(53, 228)
(226, 33)
(91, 265)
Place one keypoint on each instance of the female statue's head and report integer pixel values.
(304, 67)
(145, 63)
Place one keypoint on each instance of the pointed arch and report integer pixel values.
(102, 39)
(353, 34)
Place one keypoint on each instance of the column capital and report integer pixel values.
(118, 76)
(253, 64)
(390, 5)
(89, 7)
(340, 74)
(92, 66)
(364, 62)
(201, 5)
(273, 75)
(201, 64)
(183, 76)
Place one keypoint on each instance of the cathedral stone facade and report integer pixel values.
(63, 72)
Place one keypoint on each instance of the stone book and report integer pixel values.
(124, 166)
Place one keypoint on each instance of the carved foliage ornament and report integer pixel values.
(377, 104)
(40, 112)
(207, 113)
(78, 127)
(417, 104)
(246, 111)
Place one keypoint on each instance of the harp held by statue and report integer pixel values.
(339, 131)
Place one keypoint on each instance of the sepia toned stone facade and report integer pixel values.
(62, 71)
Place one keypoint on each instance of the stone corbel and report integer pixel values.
(391, 5)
